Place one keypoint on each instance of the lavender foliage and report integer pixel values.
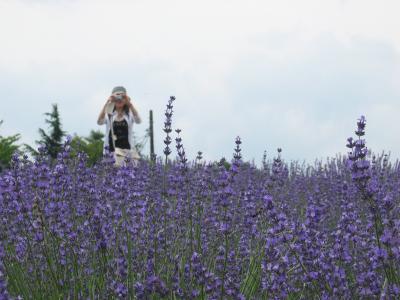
(176, 229)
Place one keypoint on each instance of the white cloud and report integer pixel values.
(76, 32)
(265, 70)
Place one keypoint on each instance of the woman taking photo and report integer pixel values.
(119, 114)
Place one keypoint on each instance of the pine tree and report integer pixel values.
(8, 147)
(53, 139)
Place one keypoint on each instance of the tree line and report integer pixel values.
(52, 140)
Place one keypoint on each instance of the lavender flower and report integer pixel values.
(167, 126)
(358, 163)
(183, 229)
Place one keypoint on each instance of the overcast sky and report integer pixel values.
(291, 74)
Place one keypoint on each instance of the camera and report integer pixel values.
(119, 97)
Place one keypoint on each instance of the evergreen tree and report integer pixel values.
(7, 148)
(53, 139)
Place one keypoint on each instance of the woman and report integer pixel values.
(119, 114)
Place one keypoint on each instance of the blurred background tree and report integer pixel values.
(8, 147)
(91, 145)
(53, 139)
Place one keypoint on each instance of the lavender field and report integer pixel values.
(177, 228)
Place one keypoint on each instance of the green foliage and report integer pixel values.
(223, 162)
(91, 145)
(52, 140)
(8, 147)
(29, 149)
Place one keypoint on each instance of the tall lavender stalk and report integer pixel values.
(168, 127)
(371, 192)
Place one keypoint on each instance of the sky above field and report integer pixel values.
(290, 74)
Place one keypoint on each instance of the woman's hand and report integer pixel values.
(128, 100)
(110, 99)
(101, 118)
(133, 110)
(130, 104)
